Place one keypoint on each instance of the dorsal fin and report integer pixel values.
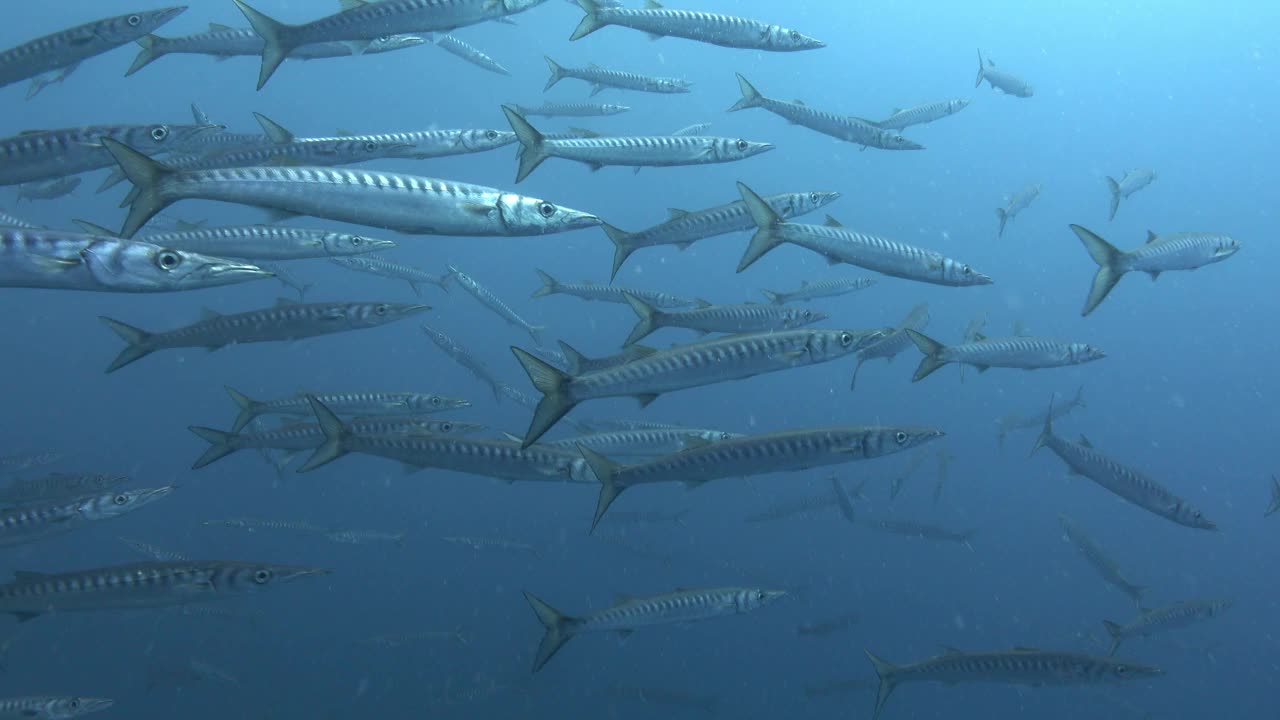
(186, 225)
(676, 213)
(949, 650)
(832, 222)
(620, 598)
(1152, 237)
(583, 132)
(94, 229)
(219, 27)
(979, 337)
(575, 358)
(343, 132)
(29, 576)
(652, 5)
(799, 102)
(640, 351)
(1024, 649)
(274, 130)
(351, 4)
(1085, 441)
(701, 304)
(207, 314)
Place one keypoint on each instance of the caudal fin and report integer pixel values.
(138, 343)
(558, 629)
(932, 350)
(334, 435)
(590, 22)
(606, 471)
(622, 247)
(150, 52)
(277, 42)
(1111, 268)
(1116, 631)
(646, 322)
(555, 402)
(220, 445)
(766, 220)
(249, 408)
(532, 151)
(557, 72)
(887, 673)
(982, 75)
(550, 286)
(1275, 497)
(146, 175)
(750, 96)
(1114, 187)
(774, 296)
(1003, 216)
(1046, 432)
(843, 501)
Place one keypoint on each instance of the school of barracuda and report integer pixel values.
(292, 176)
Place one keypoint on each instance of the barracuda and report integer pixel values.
(44, 154)
(32, 523)
(819, 289)
(467, 359)
(1024, 353)
(470, 53)
(56, 487)
(708, 318)
(1005, 82)
(347, 403)
(393, 270)
(410, 145)
(842, 127)
(1099, 561)
(903, 118)
(52, 708)
(644, 442)
(1018, 202)
(576, 363)
(259, 242)
(723, 30)
(407, 203)
(607, 293)
(551, 109)
(487, 298)
(48, 189)
(1132, 182)
(895, 342)
(601, 79)
(1171, 617)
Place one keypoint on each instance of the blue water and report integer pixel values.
(1187, 392)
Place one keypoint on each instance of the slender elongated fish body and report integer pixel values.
(1100, 561)
(1010, 423)
(73, 261)
(600, 79)
(154, 552)
(141, 585)
(261, 242)
(924, 531)
(467, 359)
(493, 302)
(713, 28)
(842, 127)
(50, 189)
(551, 109)
(1170, 617)
(1132, 182)
(644, 442)
(894, 342)
(819, 289)
(708, 318)
(608, 293)
(735, 357)
(366, 404)
(1275, 497)
(224, 42)
(44, 154)
(1020, 666)
(394, 270)
(37, 522)
(903, 118)
(40, 82)
(1025, 353)
(840, 245)
(285, 321)
(630, 613)
(367, 21)
(1122, 480)
(1005, 82)
(576, 363)
(57, 487)
(51, 708)
(1018, 202)
(1176, 251)
(407, 203)
(70, 46)
(684, 228)
(631, 151)
(754, 455)
(11, 221)
(470, 53)
(427, 144)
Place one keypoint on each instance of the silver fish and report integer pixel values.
(903, 118)
(1009, 423)
(10, 221)
(631, 151)
(153, 552)
(1098, 559)
(44, 154)
(74, 261)
(924, 531)
(48, 189)
(57, 486)
(466, 359)
(735, 357)
(390, 269)
(365, 537)
(630, 613)
(607, 293)
(1170, 617)
(1007, 83)
(1121, 480)
(285, 321)
(1132, 182)
(1019, 666)
(839, 245)
(1177, 251)
(708, 318)
(493, 302)
(51, 707)
(286, 278)
(70, 46)
(406, 203)
(31, 523)
(683, 228)
(40, 82)
(361, 22)
(842, 127)
(259, 242)
(366, 403)
(645, 442)
(818, 289)
(409, 145)
(601, 79)
(552, 109)
(1018, 202)
(723, 30)
(1026, 353)
(576, 363)
(471, 54)
(1275, 497)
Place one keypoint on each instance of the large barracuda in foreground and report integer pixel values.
(407, 203)
(631, 613)
(141, 585)
(685, 366)
(842, 127)
(81, 42)
(724, 30)
(31, 258)
(1019, 666)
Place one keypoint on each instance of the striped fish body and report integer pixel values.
(881, 255)
(44, 154)
(1099, 560)
(474, 456)
(372, 20)
(748, 318)
(466, 359)
(653, 150)
(576, 363)
(486, 297)
(1124, 481)
(601, 78)
(1179, 251)
(10, 221)
(713, 28)
(471, 54)
(672, 608)
(391, 269)
(895, 340)
(56, 487)
(1018, 667)
(355, 403)
(842, 127)
(296, 437)
(51, 708)
(630, 443)
(70, 46)
(154, 552)
(223, 42)
(571, 109)
(37, 522)
(922, 114)
(1135, 180)
(426, 144)
(1171, 617)
(608, 293)
(267, 242)
(820, 289)
(1026, 353)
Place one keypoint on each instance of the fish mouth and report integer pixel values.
(978, 278)
(413, 309)
(772, 596)
(153, 494)
(828, 196)
(227, 272)
(89, 705)
(577, 220)
(289, 574)
(380, 245)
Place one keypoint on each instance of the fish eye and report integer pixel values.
(435, 400)
(168, 260)
(1122, 669)
(380, 309)
(370, 146)
(134, 20)
(262, 577)
(846, 339)
(446, 426)
(966, 270)
(813, 197)
(120, 499)
(491, 134)
(357, 240)
(900, 437)
(383, 39)
(74, 703)
(742, 144)
(547, 209)
(795, 35)
(159, 133)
